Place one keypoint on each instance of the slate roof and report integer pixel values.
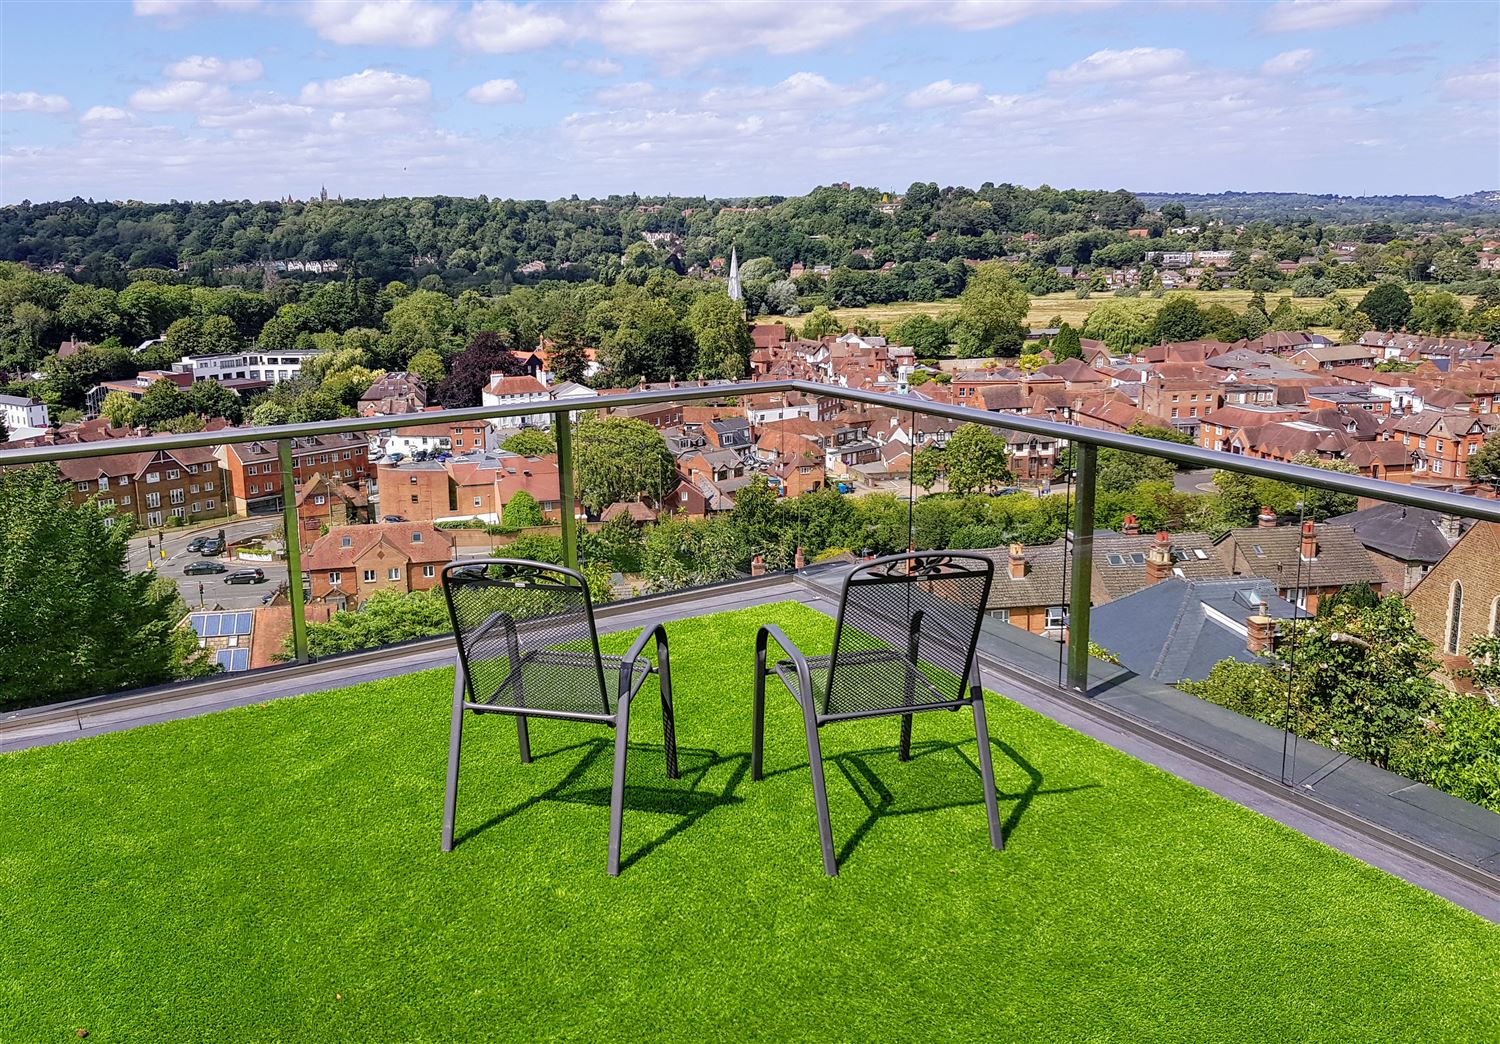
(1120, 562)
(1409, 534)
(1341, 559)
(1178, 629)
(1041, 586)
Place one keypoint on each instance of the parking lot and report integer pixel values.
(209, 590)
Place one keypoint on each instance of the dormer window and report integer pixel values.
(346, 541)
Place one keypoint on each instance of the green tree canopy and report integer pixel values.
(522, 511)
(991, 313)
(67, 601)
(976, 458)
(721, 334)
(530, 442)
(1388, 306)
(620, 458)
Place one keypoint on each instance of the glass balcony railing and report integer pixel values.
(1323, 630)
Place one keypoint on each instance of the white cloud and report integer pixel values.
(1288, 62)
(1482, 84)
(504, 28)
(177, 96)
(942, 92)
(603, 67)
(174, 10)
(1290, 16)
(685, 34)
(392, 23)
(31, 101)
(368, 89)
(987, 14)
(621, 93)
(101, 114)
(801, 90)
(202, 67)
(496, 92)
(1121, 65)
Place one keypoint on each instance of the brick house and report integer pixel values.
(349, 564)
(1443, 442)
(253, 469)
(322, 501)
(152, 487)
(394, 393)
(1459, 598)
(1306, 564)
(416, 490)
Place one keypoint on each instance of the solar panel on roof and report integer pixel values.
(196, 620)
(242, 623)
(211, 625)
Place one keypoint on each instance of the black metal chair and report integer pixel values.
(528, 647)
(903, 643)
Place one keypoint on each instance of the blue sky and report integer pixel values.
(161, 99)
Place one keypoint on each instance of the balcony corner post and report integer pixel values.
(1082, 565)
(293, 549)
(562, 431)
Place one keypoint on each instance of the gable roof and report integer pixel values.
(1341, 560)
(329, 551)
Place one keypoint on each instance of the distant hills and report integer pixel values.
(1280, 206)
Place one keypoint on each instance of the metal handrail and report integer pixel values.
(1091, 439)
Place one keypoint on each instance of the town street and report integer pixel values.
(209, 589)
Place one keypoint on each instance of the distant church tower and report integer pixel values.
(323, 195)
(734, 276)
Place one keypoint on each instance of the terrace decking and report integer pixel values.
(273, 872)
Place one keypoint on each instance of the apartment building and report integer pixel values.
(253, 469)
(152, 487)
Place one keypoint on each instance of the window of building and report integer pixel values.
(1003, 615)
(429, 571)
(346, 454)
(194, 487)
(195, 507)
(83, 487)
(320, 499)
(369, 576)
(153, 476)
(178, 512)
(394, 573)
(414, 498)
(124, 501)
(253, 469)
(208, 505)
(177, 496)
(346, 541)
(416, 538)
(412, 479)
(173, 475)
(1437, 467)
(334, 576)
(476, 502)
(253, 489)
(153, 500)
(1057, 616)
(1455, 617)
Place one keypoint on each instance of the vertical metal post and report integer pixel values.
(293, 548)
(562, 430)
(1085, 456)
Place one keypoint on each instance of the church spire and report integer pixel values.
(734, 275)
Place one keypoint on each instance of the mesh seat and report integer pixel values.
(904, 642)
(528, 647)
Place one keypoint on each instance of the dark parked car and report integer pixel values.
(199, 567)
(211, 546)
(246, 576)
(196, 544)
(394, 518)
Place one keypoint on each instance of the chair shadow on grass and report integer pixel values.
(589, 781)
(880, 801)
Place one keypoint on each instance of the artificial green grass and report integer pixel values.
(273, 873)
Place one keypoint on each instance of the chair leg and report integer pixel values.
(668, 715)
(820, 796)
(905, 754)
(617, 790)
(987, 773)
(523, 733)
(758, 719)
(455, 740)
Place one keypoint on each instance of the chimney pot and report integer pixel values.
(1309, 541)
(1017, 561)
(758, 565)
(1266, 519)
(1260, 632)
(800, 561)
(1131, 527)
(1159, 558)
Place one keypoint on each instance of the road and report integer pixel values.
(214, 591)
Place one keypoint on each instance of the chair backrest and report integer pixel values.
(923, 606)
(508, 611)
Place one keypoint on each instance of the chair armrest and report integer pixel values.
(768, 632)
(627, 666)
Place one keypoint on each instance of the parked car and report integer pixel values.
(1007, 491)
(205, 566)
(196, 544)
(211, 546)
(246, 576)
(393, 518)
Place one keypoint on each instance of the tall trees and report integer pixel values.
(975, 458)
(488, 352)
(1067, 344)
(619, 458)
(991, 313)
(66, 600)
(1121, 325)
(1388, 306)
(568, 357)
(722, 336)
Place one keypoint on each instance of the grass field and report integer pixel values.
(1066, 305)
(273, 874)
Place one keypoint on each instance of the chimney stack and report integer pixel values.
(1017, 561)
(1451, 526)
(1260, 631)
(1131, 527)
(1266, 519)
(758, 565)
(1159, 559)
(1309, 541)
(800, 561)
